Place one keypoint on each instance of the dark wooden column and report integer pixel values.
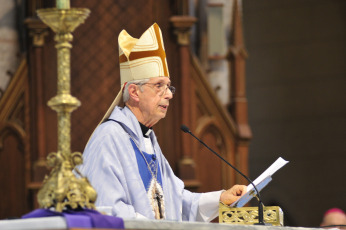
(182, 26)
(37, 32)
(237, 57)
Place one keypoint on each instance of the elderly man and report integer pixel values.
(123, 159)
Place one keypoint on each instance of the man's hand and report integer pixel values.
(233, 194)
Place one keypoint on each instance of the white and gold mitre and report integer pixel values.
(144, 57)
(140, 59)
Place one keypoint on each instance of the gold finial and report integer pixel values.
(62, 189)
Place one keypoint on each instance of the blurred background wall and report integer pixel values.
(296, 88)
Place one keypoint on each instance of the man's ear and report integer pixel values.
(133, 92)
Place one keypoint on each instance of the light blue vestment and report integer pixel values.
(111, 167)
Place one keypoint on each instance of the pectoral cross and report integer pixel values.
(158, 198)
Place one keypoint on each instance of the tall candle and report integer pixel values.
(62, 4)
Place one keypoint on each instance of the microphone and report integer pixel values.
(185, 129)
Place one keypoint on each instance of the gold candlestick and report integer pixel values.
(61, 189)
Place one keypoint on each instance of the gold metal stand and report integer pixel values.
(249, 215)
(61, 189)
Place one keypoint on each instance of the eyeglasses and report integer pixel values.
(160, 87)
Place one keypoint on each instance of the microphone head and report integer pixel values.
(185, 129)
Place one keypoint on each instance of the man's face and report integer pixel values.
(154, 100)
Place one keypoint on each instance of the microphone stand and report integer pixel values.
(185, 129)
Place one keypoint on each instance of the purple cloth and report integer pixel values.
(82, 218)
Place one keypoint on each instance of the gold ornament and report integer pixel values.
(62, 189)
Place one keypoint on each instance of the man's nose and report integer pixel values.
(168, 94)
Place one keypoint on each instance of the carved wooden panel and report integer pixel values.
(12, 178)
(14, 147)
(213, 125)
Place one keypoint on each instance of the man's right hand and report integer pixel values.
(233, 194)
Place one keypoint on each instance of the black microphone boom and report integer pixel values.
(185, 129)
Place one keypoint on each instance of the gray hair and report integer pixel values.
(126, 95)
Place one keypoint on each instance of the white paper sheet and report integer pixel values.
(260, 182)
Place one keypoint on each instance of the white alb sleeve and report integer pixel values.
(208, 206)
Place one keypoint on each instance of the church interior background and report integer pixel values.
(256, 80)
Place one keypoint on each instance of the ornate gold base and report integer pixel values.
(62, 189)
(249, 215)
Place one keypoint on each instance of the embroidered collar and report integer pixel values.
(145, 130)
